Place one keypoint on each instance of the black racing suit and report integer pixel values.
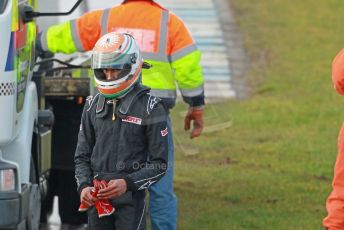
(122, 139)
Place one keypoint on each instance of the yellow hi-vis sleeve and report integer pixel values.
(188, 74)
(59, 39)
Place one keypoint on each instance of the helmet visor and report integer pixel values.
(112, 60)
(100, 75)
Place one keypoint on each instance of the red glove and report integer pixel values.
(104, 207)
(195, 114)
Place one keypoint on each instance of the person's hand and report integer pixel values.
(114, 189)
(86, 197)
(194, 114)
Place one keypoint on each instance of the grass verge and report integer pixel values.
(272, 168)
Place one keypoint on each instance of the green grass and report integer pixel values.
(272, 168)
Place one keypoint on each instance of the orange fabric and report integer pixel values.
(138, 14)
(335, 202)
(338, 72)
(89, 28)
(140, 17)
(178, 30)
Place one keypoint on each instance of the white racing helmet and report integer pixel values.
(116, 51)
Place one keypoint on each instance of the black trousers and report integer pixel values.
(129, 214)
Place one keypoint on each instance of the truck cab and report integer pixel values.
(20, 127)
(28, 96)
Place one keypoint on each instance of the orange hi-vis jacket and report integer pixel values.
(162, 36)
(335, 202)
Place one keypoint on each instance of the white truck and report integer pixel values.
(25, 120)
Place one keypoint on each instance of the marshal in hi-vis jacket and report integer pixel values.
(163, 39)
(123, 139)
(335, 202)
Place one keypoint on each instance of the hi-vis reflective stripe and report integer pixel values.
(155, 56)
(163, 93)
(163, 33)
(44, 42)
(104, 21)
(75, 36)
(192, 92)
(181, 53)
